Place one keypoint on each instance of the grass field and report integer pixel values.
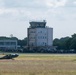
(39, 64)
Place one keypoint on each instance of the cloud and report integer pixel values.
(36, 8)
(33, 3)
(16, 14)
(75, 2)
(8, 11)
(1, 3)
(23, 3)
(56, 3)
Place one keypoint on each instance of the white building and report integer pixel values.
(39, 34)
(8, 44)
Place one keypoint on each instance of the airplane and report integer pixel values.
(9, 56)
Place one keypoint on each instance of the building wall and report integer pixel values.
(40, 36)
(8, 44)
(50, 36)
(31, 36)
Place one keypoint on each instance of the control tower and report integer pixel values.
(38, 24)
(39, 34)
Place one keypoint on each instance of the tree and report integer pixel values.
(73, 43)
(62, 43)
(22, 42)
(56, 42)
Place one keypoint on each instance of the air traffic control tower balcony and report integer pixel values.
(38, 24)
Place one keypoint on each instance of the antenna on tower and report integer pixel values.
(44, 20)
(11, 35)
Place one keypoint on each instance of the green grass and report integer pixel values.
(39, 64)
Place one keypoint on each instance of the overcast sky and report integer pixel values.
(16, 14)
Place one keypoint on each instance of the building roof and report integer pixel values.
(8, 38)
(37, 22)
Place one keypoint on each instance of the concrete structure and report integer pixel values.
(8, 44)
(39, 34)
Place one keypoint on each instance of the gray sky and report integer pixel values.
(16, 14)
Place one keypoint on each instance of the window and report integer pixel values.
(45, 37)
(1, 43)
(7, 43)
(13, 43)
(45, 44)
(40, 31)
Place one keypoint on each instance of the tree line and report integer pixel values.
(63, 45)
(66, 44)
